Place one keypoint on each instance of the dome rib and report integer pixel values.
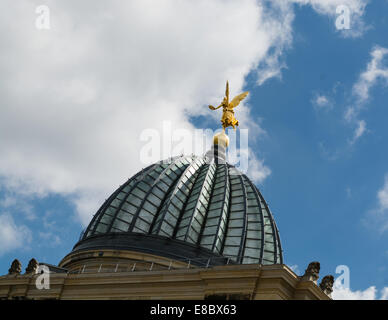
(174, 174)
(114, 222)
(166, 213)
(147, 214)
(217, 215)
(97, 217)
(187, 195)
(189, 232)
(275, 233)
(129, 192)
(187, 198)
(258, 205)
(236, 226)
(266, 236)
(245, 222)
(280, 253)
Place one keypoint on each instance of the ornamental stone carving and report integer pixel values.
(327, 284)
(16, 267)
(32, 266)
(312, 272)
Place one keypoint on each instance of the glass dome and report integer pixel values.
(188, 207)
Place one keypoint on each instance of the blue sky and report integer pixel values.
(324, 184)
(328, 199)
(321, 203)
(330, 196)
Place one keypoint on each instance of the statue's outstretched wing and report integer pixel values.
(237, 99)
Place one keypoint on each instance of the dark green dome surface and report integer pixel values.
(188, 207)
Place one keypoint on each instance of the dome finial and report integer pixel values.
(221, 139)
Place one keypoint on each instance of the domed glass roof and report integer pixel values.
(188, 207)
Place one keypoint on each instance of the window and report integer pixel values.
(138, 192)
(134, 200)
(106, 219)
(121, 225)
(124, 216)
(233, 240)
(101, 228)
(129, 208)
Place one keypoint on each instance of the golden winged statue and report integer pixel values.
(228, 119)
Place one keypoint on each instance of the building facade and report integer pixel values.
(185, 228)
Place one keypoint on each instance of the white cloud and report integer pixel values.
(321, 102)
(384, 294)
(296, 269)
(247, 162)
(382, 195)
(12, 236)
(278, 27)
(347, 294)
(49, 239)
(371, 293)
(375, 70)
(257, 170)
(377, 218)
(17, 203)
(75, 98)
(379, 215)
(359, 131)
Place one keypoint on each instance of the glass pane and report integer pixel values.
(154, 199)
(116, 203)
(124, 216)
(251, 252)
(149, 207)
(120, 225)
(167, 229)
(102, 228)
(129, 207)
(140, 193)
(232, 251)
(253, 243)
(233, 241)
(235, 223)
(121, 195)
(106, 219)
(235, 232)
(134, 200)
(141, 224)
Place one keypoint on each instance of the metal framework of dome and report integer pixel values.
(188, 207)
